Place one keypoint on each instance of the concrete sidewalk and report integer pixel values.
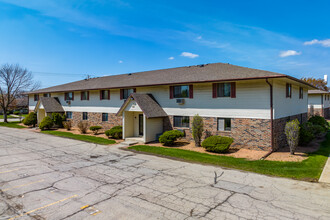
(325, 176)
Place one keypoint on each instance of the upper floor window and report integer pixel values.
(301, 93)
(68, 96)
(46, 94)
(104, 94)
(181, 121)
(224, 90)
(69, 115)
(84, 95)
(224, 124)
(288, 90)
(125, 93)
(104, 116)
(85, 116)
(36, 97)
(181, 91)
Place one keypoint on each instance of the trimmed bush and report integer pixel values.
(319, 120)
(319, 129)
(115, 132)
(95, 129)
(217, 144)
(306, 133)
(292, 134)
(58, 119)
(197, 129)
(67, 125)
(31, 119)
(169, 137)
(46, 123)
(83, 126)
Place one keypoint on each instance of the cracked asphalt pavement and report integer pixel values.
(48, 177)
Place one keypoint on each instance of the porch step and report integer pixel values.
(129, 142)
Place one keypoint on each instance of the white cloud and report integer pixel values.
(324, 43)
(199, 38)
(171, 58)
(120, 61)
(288, 53)
(189, 55)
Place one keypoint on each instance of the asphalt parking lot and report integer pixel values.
(48, 177)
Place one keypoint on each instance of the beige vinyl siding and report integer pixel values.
(284, 106)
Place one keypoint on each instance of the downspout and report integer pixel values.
(271, 120)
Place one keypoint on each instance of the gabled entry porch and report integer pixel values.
(46, 106)
(142, 118)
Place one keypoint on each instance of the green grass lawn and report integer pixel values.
(9, 116)
(309, 169)
(11, 125)
(87, 138)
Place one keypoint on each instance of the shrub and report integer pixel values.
(46, 123)
(83, 126)
(169, 137)
(318, 129)
(319, 120)
(17, 113)
(115, 132)
(67, 125)
(95, 129)
(292, 134)
(306, 133)
(217, 144)
(31, 119)
(58, 119)
(197, 129)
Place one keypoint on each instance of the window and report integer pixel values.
(288, 90)
(181, 91)
(301, 93)
(36, 97)
(104, 94)
(223, 90)
(181, 121)
(224, 124)
(69, 115)
(68, 96)
(104, 116)
(85, 116)
(125, 93)
(46, 94)
(84, 95)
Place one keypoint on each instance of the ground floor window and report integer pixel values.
(69, 115)
(104, 116)
(181, 121)
(85, 116)
(224, 124)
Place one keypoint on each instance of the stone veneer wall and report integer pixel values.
(247, 133)
(95, 118)
(324, 112)
(279, 125)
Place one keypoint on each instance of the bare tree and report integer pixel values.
(14, 80)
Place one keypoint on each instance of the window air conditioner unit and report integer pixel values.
(180, 101)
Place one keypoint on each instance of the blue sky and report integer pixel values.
(65, 40)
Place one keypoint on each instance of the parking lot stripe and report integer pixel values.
(37, 209)
(8, 171)
(19, 186)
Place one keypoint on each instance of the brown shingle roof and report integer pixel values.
(189, 74)
(50, 104)
(147, 103)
